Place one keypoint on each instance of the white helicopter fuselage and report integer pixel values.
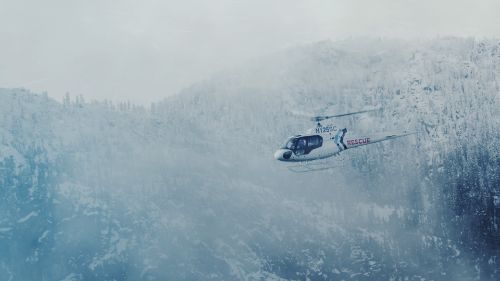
(323, 142)
(328, 149)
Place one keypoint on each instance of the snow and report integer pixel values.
(5, 229)
(188, 190)
(72, 277)
(43, 236)
(27, 217)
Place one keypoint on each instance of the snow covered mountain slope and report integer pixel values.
(188, 189)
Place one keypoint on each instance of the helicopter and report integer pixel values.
(324, 141)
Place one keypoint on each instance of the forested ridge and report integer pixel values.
(187, 189)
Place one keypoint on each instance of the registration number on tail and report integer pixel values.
(326, 129)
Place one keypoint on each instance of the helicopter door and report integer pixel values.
(313, 142)
(305, 145)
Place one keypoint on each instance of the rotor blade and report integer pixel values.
(321, 118)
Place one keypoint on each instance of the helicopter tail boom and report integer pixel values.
(355, 142)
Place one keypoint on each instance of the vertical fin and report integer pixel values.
(344, 131)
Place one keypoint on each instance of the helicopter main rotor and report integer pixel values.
(325, 117)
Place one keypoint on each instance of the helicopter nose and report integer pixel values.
(282, 154)
(278, 155)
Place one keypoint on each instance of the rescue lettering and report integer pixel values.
(358, 141)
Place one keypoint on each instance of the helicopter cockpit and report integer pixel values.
(302, 145)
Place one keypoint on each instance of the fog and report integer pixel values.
(188, 189)
(143, 51)
(158, 162)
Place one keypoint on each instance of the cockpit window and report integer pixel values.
(290, 143)
(303, 145)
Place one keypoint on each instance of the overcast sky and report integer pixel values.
(145, 50)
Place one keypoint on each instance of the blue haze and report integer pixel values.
(187, 189)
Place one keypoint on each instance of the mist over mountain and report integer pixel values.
(188, 188)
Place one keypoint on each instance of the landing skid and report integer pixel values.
(315, 166)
